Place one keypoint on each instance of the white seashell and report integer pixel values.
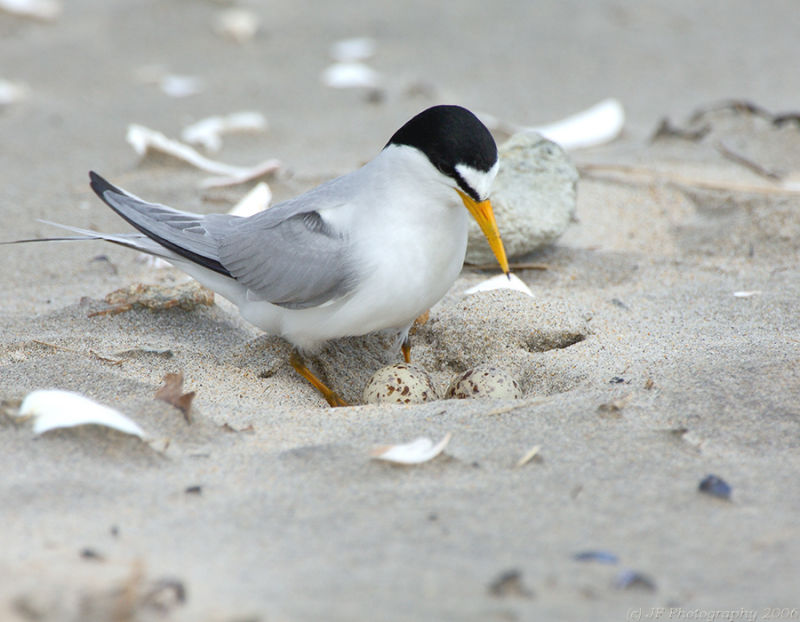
(501, 281)
(597, 125)
(11, 92)
(350, 75)
(242, 175)
(240, 25)
(416, 452)
(143, 139)
(353, 49)
(208, 132)
(257, 200)
(747, 294)
(53, 409)
(594, 126)
(39, 9)
(181, 86)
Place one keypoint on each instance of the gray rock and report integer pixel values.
(534, 197)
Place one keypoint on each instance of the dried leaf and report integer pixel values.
(509, 583)
(614, 407)
(53, 409)
(92, 555)
(227, 427)
(416, 452)
(134, 598)
(186, 296)
(172, 393)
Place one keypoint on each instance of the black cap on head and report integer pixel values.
(450, 135)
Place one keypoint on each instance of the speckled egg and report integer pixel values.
(399, 384)
(484, 381)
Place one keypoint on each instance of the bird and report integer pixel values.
(369, 251)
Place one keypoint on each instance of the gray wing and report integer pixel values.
(288, 255)
(192, 236)
(285, 255)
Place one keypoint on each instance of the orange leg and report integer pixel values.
(406, 349)
(300, 367)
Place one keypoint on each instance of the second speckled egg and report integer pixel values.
(484, 381)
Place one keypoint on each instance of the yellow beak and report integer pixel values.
(483, 214)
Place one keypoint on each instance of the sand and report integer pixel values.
(643, 369)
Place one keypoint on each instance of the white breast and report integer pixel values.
(408, 230)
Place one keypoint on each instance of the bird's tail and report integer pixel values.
(136, 241)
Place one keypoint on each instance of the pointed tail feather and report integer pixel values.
(136, 241)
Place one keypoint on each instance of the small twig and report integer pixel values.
(507, 409)
(53, 346)
(125, 605)
(529, 455)
(735, 105)
(739, 158)
(640, 175)
(90, 353)
(786, 117)
(514, 266)
(666, 129)
(105, 359)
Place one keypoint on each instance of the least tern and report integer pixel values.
(369, 251)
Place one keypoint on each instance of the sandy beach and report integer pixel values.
(661, 344)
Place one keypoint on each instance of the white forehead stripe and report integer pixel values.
(479, 181)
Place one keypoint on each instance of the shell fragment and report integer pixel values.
(142, 139)
(37, 9)
(416, 452)
(257, 200)
(52, 409)
(353, 49)
(350, 75)
(501, 281)
(208, 132)
(597, 125)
